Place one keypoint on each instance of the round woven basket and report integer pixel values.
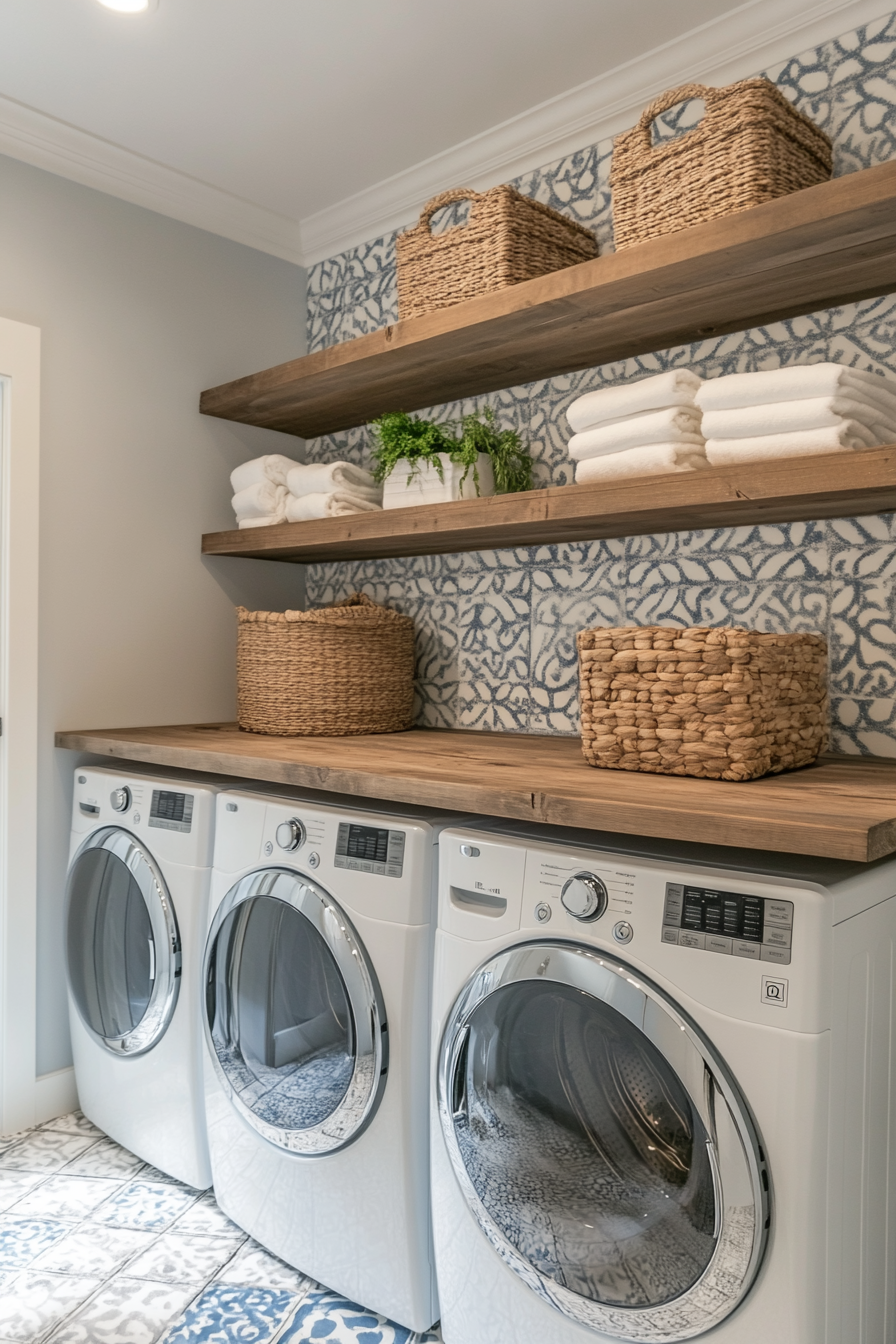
(341, 671)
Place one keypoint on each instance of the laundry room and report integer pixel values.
(447, 603)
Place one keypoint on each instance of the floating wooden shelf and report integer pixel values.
(841, 808)
(827, 245)
(836, 486)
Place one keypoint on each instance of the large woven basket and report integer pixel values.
(751, 146)
(340, 671)
(508, 238)
(716, 703)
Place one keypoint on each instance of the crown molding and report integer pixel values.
(738, 44)
(45, 142)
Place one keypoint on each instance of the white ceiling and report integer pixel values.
(285, 108)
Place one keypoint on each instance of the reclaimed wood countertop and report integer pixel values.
(844, 807)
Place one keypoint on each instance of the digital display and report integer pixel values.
(369, 849)
(364, 842)
(171, 811)
(708, 919)
(723, 912)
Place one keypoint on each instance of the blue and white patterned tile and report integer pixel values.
(45, 1150)
(224, 1314)
(70, 1198)
(145, 1206)
(436, 703)
(863, 727)
(863, 640)
(764, 543)
(35, 1301)
(125, 1311)
(23, 1239)
(14, 1185)
(565, 601)
(176, 1257)
(204, 1218)
(493, 613)
(326, 1315)
(771, 607)
(74, 1123)
(493, 706)
(254, 1267)
(93, 1251)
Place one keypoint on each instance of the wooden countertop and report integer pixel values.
(844, 807)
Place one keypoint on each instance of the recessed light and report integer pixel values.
(129, 6)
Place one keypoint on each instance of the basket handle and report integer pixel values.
(682, 94)
(446, 198)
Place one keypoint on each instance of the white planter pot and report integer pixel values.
(425, 487)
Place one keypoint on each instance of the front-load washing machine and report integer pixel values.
(663, 1096)
(135, 914)
(317, 991)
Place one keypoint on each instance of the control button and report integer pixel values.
(688, 939)
(231, 807)
(778, 937)
(290, 834)
(779, 912)
(120, 799)
(781, 955)
(542, 912)
(584, 897)
(623, 931)
(670, 935)
(750, 950)
(268, 847)
(82, 779)
(714, 943)
(774, 991)
(136, 819)
(469, 851)
(674, 904)
(314, 860)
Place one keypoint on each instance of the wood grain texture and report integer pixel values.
(840, 485)
(842, 807)
(827, 245)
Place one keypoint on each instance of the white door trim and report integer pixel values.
(19, 555)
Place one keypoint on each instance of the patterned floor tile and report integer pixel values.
(36, 1301)
(93, 1250)
(125, 1311)
(106, 1158)
(23, 1239)
(75, 1123)
(325, 1315)
(45, 1150)
(205, 1218)
(15, 1184)
(223, 1313)
(66, 1197)
(254, 1267)
(144, 1205)
(178, 1258)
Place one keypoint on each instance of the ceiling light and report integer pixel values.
(129, 6)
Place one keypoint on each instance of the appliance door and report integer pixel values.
(601, 1143)
(294, 1018)
(123, 949)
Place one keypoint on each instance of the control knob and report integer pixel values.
(584, 897)
(120, 799)
(290, 834)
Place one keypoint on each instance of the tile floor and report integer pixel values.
(97, 1247)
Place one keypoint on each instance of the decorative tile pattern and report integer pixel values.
(139, 1258)
(496, 630)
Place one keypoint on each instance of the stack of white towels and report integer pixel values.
(802, 410)
(274, 489)
(638, 429)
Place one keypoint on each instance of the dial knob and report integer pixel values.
(584, 896)
(120, 799)
(290, 834)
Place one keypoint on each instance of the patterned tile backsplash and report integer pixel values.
(496, 629)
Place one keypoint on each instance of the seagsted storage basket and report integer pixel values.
(340, 671)
(751, 146)
(723, 703)
(508, 238)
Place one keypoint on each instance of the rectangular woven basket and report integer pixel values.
(751, 146)
(508, 238)
(723, 703)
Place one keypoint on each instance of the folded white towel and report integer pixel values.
(794, 383)
(260, 522)
(652, 459)
(784, 417)
(335, 504)
(322, 478)
(274, 467)
(674, 424)
(677, 387)
(261, 500)
(802, 443)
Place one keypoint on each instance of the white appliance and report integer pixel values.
(318, 979)
(664, 1095)
(135, 914)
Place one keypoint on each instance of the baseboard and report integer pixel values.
(54, 1094)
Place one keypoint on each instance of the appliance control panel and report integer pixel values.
(728, 922)
(171, 811)
(369, 849)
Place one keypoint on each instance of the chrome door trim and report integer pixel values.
(734, 1149)
(165, 933)
(371, 1062)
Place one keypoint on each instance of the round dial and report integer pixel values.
(120, 799)
(584, 896)
(290, 834)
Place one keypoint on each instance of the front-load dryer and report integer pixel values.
(135, 914)
(317, 991)
(663, 1096)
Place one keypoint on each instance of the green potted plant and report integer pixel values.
(421, 462)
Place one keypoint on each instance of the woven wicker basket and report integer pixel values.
(751, 146)
(507, 238)
(716, 703)
(341, 671)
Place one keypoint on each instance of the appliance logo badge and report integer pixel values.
(775, 991)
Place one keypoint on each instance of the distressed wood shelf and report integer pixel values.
(835, 486)
(829, 244)
(841, 808)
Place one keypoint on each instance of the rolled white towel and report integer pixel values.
(335, 504)
(261, 500)
(652, 459)
(784, 417)
(260, 522)
(676, 387)
(274, 468)
(322, 478)
(795, 383)
(801, 443)
(674, 424)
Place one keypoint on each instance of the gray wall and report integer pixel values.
(138, 313)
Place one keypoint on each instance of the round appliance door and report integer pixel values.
(294, 1018)
(602, 1144)
(123, 948)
